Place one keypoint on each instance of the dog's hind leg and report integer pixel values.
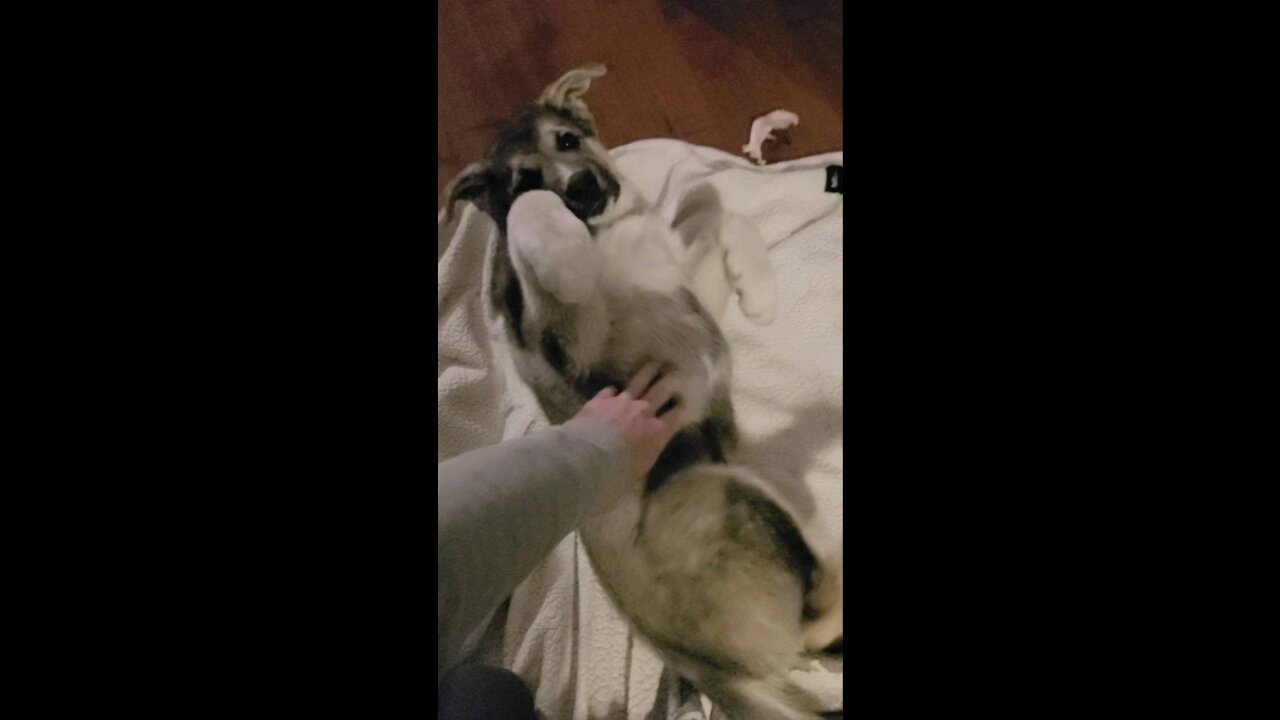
(826, 600)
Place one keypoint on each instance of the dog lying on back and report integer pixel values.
(705, 560)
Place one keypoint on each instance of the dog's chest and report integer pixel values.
(640, 252)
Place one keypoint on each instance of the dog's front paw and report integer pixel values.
(758, 294)
(750, 272)
(548, 241)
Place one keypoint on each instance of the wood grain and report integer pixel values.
(695, 70)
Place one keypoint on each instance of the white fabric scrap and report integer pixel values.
(762, 129)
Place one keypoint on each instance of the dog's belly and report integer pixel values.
(700, 574)
(676, 331)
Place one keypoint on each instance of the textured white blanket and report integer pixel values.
(560, 632)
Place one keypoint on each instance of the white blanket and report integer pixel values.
(560, 631)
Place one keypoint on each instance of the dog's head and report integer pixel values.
(553, 146)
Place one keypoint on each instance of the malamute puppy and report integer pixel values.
(705, 560)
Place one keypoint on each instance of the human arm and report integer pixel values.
(503, 508)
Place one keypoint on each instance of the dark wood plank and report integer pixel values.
(695, 70)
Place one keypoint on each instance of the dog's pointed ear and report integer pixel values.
(566, 93)
(471, 184)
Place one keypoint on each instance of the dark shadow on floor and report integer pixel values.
(806, 34)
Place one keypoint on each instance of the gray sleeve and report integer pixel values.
(501, 511)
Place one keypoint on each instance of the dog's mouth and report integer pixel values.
(585, 212)
(584, 196)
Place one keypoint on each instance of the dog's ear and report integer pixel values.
(566, 93)
(471, 184)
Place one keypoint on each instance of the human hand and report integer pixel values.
(633, 415)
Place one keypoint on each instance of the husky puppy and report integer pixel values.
(704, 559)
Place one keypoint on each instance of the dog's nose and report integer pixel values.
(584, 196)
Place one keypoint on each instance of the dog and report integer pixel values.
(703, 558)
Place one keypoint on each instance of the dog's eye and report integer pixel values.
(567, 141)
(528, 180)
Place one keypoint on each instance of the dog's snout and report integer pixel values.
(584, 196)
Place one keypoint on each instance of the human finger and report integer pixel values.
(661, 391)
(640, 383)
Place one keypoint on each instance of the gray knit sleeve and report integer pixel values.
(501, 511)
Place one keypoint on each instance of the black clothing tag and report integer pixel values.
(835, 179)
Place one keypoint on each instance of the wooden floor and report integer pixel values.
(695, 70)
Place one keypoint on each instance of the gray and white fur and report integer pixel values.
(705, 560)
